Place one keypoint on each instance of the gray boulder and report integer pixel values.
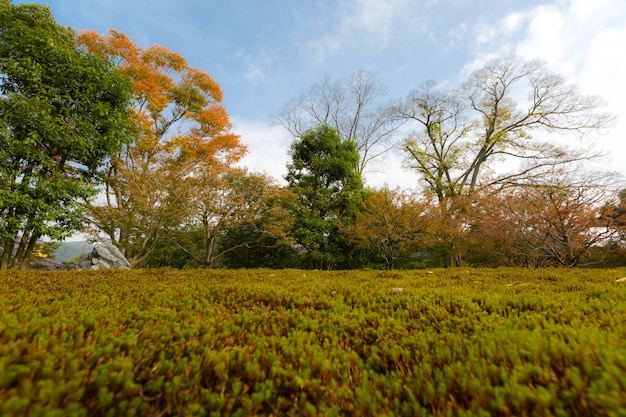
(104, 255)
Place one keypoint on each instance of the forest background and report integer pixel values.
(505, 170)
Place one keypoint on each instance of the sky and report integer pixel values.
(263, 53)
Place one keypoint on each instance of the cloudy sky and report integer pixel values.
(263, 53)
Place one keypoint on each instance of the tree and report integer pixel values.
(63, 112)
(614, 213)
(262, 239)
(390, 223)
(556, 222)
(495, 231)
(266, 252)
(461, 132)
(449, 222)
(324, 177)
(234, 200)
(351, 107)
(177, 112)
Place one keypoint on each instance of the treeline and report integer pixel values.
(133, 144)
(555, 225)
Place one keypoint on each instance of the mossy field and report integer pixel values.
(454, 342)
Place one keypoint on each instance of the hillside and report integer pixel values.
(68, 251)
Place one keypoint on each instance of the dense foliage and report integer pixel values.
(62, 114)
(79, 110)
(499, 342)
(328, 188)
(182, 141)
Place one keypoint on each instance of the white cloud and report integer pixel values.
(485, 33)
(268, 147)
(393, 174)
(579, 39)
(374, 19)
(547, 37)
(583, 40)
(513, 22)
(254, 74)
(268, 153)
(370, 23)
(255, 67)
(604, 70)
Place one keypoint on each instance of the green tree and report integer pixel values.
(324, 176)
(63, 111)
(265, 252)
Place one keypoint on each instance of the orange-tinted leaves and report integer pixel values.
(181, 131)
(204, 82)
(162, 59)
(212, 120)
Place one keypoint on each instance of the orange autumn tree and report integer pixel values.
(557, 222)
(450, 219)
(176, 111)
(233, 201)
(390, 223)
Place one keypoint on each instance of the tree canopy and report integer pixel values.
(179, 124)
(490, 117)
(63, 113)
(135, 143)
(323, 175)
(352, 106)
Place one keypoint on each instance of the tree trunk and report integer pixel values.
(8, 246)
(209, 245)
(29, 249)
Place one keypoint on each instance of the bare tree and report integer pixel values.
(462, 131)
(352, 107)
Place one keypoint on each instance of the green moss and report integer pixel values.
(498, 342)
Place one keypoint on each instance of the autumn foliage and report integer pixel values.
(172, 184)
(178, 122)
(390, 223)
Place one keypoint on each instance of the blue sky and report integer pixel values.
(263, 53)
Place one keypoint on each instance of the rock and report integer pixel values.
(104, 255)
(396, 290)
(84, 262)
(109, 256)
(47, 264)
